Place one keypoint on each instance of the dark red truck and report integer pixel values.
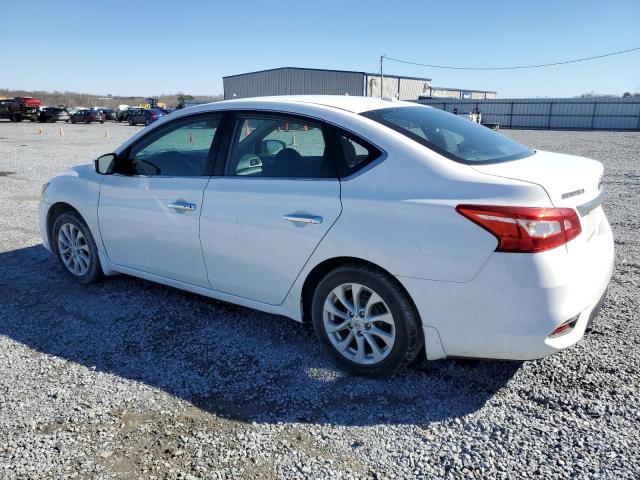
(20, 108)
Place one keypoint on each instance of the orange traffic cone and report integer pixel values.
(190, 137)
(293, 139)
(40, 131)
(61, 132)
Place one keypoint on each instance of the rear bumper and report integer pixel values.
(512, 305)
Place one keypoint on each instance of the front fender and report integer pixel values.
(79, 188)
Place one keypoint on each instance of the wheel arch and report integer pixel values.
(54, 212)
(323, 268)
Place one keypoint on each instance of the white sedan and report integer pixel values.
(398, 230)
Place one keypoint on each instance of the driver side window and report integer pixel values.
(279, 146)
(179, 150)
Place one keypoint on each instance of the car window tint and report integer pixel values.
(451, 136)
(354, 153)
(279, 146)
(181, 150)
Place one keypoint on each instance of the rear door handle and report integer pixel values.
(182, 206)
(301, 218)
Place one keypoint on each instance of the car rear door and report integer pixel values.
(265, 211)
(149, 210)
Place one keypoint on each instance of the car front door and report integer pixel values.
(149, 209)
(264, 215)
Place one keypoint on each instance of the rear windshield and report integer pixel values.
(453, 137)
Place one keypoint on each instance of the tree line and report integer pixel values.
(75, 99)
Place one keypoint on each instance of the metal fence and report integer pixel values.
(550, 113)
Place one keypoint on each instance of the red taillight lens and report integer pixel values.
(565, 328)
(525, 229)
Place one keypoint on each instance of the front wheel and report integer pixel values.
(75, 248)
(366, 321)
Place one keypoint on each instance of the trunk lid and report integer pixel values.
(573, 182)
(568, 180)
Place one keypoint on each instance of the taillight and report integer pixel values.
(525, 229)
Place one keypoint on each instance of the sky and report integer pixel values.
(152, 47)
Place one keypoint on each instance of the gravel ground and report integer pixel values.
(128, 379)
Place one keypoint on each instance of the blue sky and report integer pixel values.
(152, 47)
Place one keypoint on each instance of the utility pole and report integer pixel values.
(381, 76)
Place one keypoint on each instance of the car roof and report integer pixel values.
(349, 103)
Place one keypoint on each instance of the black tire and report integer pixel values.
(73, 121)
(87, 121)
(147, 122)
(94, 271)
(131, 122)
(409, 337)
(101, 121)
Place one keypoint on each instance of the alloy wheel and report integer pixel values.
(359, 323)
(73, 249)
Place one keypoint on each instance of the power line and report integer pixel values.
(517, 67)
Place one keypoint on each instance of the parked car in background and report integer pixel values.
(396, 229)
(20, 108)
(87, 116)
(54, 114)
(109, 114)
(145, 116)
(123, 115)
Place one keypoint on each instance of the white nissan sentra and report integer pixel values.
(398, 230)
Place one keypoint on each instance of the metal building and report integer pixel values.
(312, 81)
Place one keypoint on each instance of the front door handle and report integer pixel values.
(182, 206)
(301, 218)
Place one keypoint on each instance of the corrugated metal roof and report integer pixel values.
(326, 70)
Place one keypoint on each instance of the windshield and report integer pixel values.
(453, 137)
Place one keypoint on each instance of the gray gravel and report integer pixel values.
(128, 379)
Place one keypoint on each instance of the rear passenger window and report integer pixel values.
(355, 153)
(279, 146)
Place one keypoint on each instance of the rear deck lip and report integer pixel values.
(591, 205)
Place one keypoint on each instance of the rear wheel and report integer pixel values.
(147, 122)
(366, 321)
(75, 248)
(131, 121)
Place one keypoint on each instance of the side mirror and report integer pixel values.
(271, 146)
(105, 164)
